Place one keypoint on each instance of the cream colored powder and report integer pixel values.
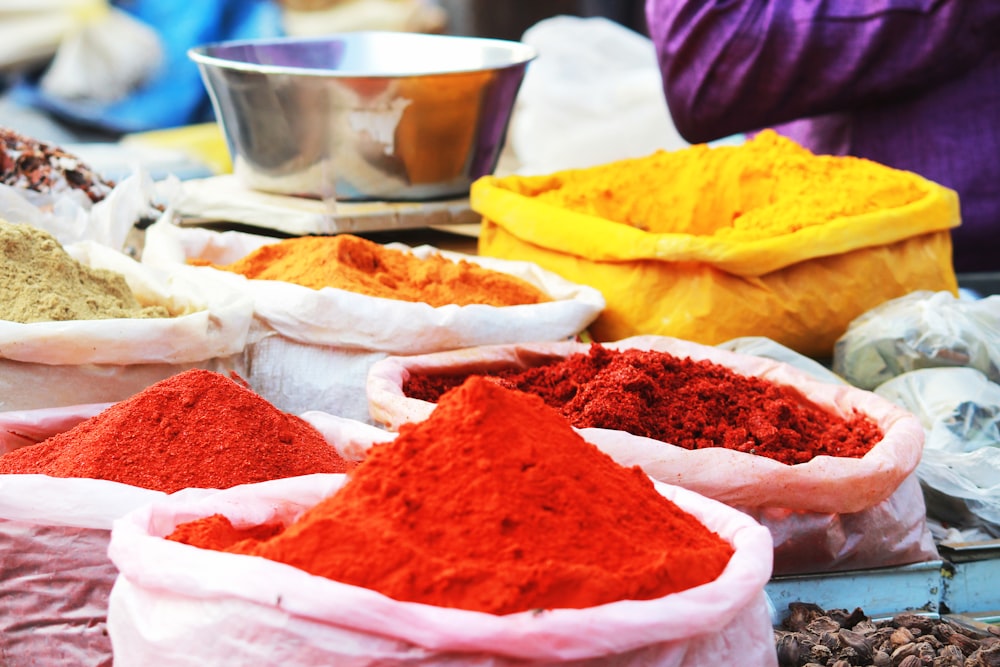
(40, 282)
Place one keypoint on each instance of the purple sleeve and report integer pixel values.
(733, 66)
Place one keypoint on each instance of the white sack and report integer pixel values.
(174, 604)
(318, 345)
(51, 364)
(889, 526)
(71, 217)
(55, 576)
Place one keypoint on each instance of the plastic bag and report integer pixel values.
(175, 604)
(593, 95)
(960, 467)
(103, 59)
(19, 428)
(854, 513)
(55, 576)
(71, 217)
(317, 345)
(920, 330)
(31, 31)
(52, 364)
(801, 289)
(171, 94)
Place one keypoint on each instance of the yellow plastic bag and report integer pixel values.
(800, 285)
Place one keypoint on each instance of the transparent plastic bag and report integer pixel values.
(920, 330)
(959, 409)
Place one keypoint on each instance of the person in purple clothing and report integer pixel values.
(912, 84)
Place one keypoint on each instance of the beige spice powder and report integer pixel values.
(40, 282)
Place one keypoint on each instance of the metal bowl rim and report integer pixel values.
(521, 54)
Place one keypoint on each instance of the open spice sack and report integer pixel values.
(67, 473)
(713, 243)
(326, 308)
(84, 323)
(489, 534)
(828, 468)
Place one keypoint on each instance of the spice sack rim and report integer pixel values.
(500, 200)
(146, 560)
(823, 484)
(208, 320)
(345, 319)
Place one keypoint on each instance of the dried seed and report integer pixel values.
(881, 659)
(820, 653)
(830, 640)
(788, 651)
(900, 637)
(926, 652)
(822, 624)
(904, 651)
(951, 651)
(910, 661)
(990, 657)
(800, 614)
(966, 644)
(858, 642)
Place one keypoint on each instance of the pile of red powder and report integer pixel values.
(492, 504)
(688, 403)
(197, 429)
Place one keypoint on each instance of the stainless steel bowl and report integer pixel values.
(364, 115)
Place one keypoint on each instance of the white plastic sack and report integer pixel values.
(853, 512)
(174, 604)
(55, 576)
(51, 364)
(594, 95)
(920, 330)
(960, 412)
(318, 345)
(71, 217)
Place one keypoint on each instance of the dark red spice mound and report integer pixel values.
(197, 429)
(691, 404)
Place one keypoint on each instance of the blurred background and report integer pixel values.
(76, 71)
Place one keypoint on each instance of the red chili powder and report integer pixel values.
(197, 429)
(219, 531)
(495, 504)
(691, 404)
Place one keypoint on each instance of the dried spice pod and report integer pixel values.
(901, 636)
(788, 650)
(906, 640)
(859, 643)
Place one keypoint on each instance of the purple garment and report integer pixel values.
(912, 84)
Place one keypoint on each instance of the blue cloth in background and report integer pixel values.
(175, 95)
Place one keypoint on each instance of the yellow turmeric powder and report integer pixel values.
(356, 264)
(768, 186)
